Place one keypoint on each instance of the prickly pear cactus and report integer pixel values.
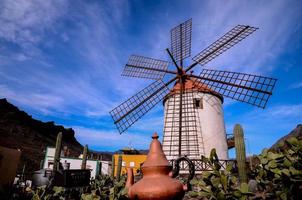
(240, 153)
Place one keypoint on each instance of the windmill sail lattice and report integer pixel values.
(189, 139)
(138, 105)
(182, 132)
(181, 40)
(144, 67)
(231, 38)
(251, 89)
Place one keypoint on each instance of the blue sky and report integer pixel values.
(61, 61)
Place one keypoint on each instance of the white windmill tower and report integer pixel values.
(193, 107)
(202, 122)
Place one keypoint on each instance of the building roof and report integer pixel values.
(129, 151)
(191, 84)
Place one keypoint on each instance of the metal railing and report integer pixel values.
(201, 165)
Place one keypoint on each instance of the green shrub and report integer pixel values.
(218, 184)
(278, 176)
(103, 187)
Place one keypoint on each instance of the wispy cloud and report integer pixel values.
(64, 58)
(264, 127)
(296, 85)
(110, 140)
(34, 100)
(256, 53)
(79, 87)
(25, 23)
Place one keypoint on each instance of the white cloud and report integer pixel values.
(276, 118)
(277, 113)
(111, 139)
(98, 44)
(39, 101)
(25, 21)
(94, 36)
(262, 128)
(256, 53)
(296, 85)
(84, 89)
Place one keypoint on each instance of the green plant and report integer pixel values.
(279, 173)
(104, 187)
(83, 166)
(240, 153)
(218, 184)
(100, 167)
(278, 176)
(57, 152)
(119, 167)
(113, 166)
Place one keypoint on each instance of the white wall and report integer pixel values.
(75, 163)
(212, 126)
(209, 122)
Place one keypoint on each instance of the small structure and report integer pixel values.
(130, 158)
(96, 166)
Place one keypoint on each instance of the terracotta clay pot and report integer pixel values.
(156, 183)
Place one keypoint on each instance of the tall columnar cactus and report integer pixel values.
(240, 153)
(41, 164)
(113, 166)
(100, 167)
(57, 152)
(119, 167)
(85, 151)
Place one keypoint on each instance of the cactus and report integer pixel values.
(119, 167)
(100, 172)
(240, 153)
(85, 151)
(41, 164)
(57, 153)
(113, 166)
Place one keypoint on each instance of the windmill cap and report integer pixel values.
(192, 84)
(156, 156)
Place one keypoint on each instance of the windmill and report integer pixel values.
(183, 133)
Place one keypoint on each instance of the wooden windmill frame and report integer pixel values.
(251, 89)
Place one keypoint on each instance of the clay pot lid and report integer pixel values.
(156, 156)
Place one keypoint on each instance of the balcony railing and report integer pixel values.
(201, 165)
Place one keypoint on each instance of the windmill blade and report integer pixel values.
(181, 40)
(251, 89)
(227, 41)
(144, 67)
(138, 105)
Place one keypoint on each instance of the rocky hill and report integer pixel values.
(297, 132)
(19, 130)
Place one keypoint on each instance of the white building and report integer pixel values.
(203, 125)
(96, 166)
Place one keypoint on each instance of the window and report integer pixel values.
(198, 103)
(124, 164)
(132, 164)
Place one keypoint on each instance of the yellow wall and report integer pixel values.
(137, 159)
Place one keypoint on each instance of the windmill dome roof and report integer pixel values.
(191, 84)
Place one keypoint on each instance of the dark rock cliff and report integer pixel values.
(19, 130)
